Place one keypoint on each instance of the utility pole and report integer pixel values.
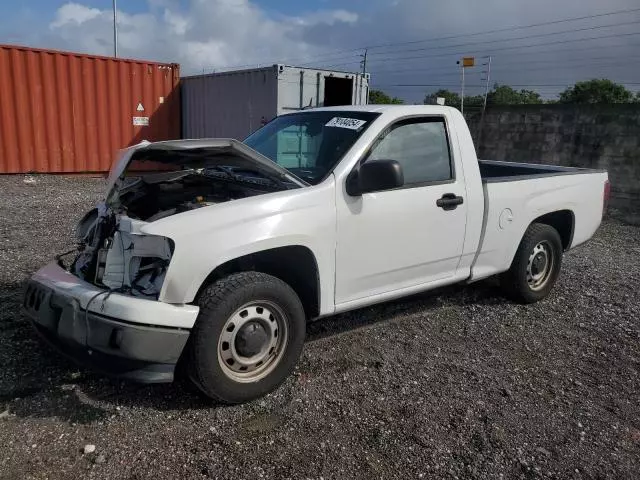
(486, 90)
(487, 72)
(363, 63)
(466, 62)
(462, 93)
(115, 29)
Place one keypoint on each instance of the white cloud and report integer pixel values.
(208, 34)
(327, 17)
(74, 13)
(177, 22)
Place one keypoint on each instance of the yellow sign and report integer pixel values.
(468, 62)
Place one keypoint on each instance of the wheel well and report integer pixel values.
(294, 265)
(563, 221)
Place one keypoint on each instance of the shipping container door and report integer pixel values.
(296, 147)
(337, 91)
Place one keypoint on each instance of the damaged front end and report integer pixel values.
(152, 181)
(115, 254)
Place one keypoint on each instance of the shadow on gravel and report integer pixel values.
(481, 293)
(39, 382)
(35, 381)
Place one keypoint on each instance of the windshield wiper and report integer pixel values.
(226, 170)
(239, 177)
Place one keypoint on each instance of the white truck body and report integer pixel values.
(381, 245)
(367, 248)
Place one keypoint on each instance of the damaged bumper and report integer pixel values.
(134, 338)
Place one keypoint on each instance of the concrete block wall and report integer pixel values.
(589, 136)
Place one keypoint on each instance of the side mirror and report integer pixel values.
(375, 176)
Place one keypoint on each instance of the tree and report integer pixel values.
(597, 91)
(378, 97)
(505, 95)
(500, 95)
(451, 99)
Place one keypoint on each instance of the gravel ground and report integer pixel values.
(456, 384)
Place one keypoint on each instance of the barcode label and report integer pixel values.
(350, 123)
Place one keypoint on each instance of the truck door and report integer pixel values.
(396, 239)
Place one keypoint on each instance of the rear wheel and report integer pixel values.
(247, 338)
(536, 265)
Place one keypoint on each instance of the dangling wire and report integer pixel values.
(59, 258)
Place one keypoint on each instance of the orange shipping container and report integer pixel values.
(68, 112)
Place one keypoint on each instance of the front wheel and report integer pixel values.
(247, 338)
(536, 266)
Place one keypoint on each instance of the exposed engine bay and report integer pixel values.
(113, 253)
(156, 195)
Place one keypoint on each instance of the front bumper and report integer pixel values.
(110, 333)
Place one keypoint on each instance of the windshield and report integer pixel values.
(310, 144)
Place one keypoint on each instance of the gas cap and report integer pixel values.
(506, 217)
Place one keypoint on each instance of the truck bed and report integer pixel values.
(516, 194)
(493, 171)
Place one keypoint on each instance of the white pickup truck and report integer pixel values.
(218, 252)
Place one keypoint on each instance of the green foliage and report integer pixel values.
(505, 95)
(500, 95)
(592, 91)
(450, 98)
(597, 91)
(378, 97)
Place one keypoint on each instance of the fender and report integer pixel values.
(209, 237)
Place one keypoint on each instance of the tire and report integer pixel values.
(536, 265)
(237, 328)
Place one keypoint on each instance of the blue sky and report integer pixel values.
(425, 37)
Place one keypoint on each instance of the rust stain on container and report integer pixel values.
(69, 112)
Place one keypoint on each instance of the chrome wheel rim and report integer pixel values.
(253, 341)
(540, 266)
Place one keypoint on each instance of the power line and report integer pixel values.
(485, 42)
(500, 30)
(421, 85)
(506, 57)
(452, 54)
(546, 86)
(538, 35)
(333, 53)
(568, 63)
(560, 66)
(526, 37)
(571, 50)
(496, 80)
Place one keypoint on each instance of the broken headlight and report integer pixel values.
(133, 261)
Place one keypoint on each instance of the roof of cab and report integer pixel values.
(428, 109)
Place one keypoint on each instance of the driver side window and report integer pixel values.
(420, 146)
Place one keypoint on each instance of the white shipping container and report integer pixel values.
(235, 104)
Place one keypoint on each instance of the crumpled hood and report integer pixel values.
(199, 154)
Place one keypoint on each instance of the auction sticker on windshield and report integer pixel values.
(350, 123)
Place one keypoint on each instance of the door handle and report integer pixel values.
(449, 201)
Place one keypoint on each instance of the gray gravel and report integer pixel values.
(456, 384)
